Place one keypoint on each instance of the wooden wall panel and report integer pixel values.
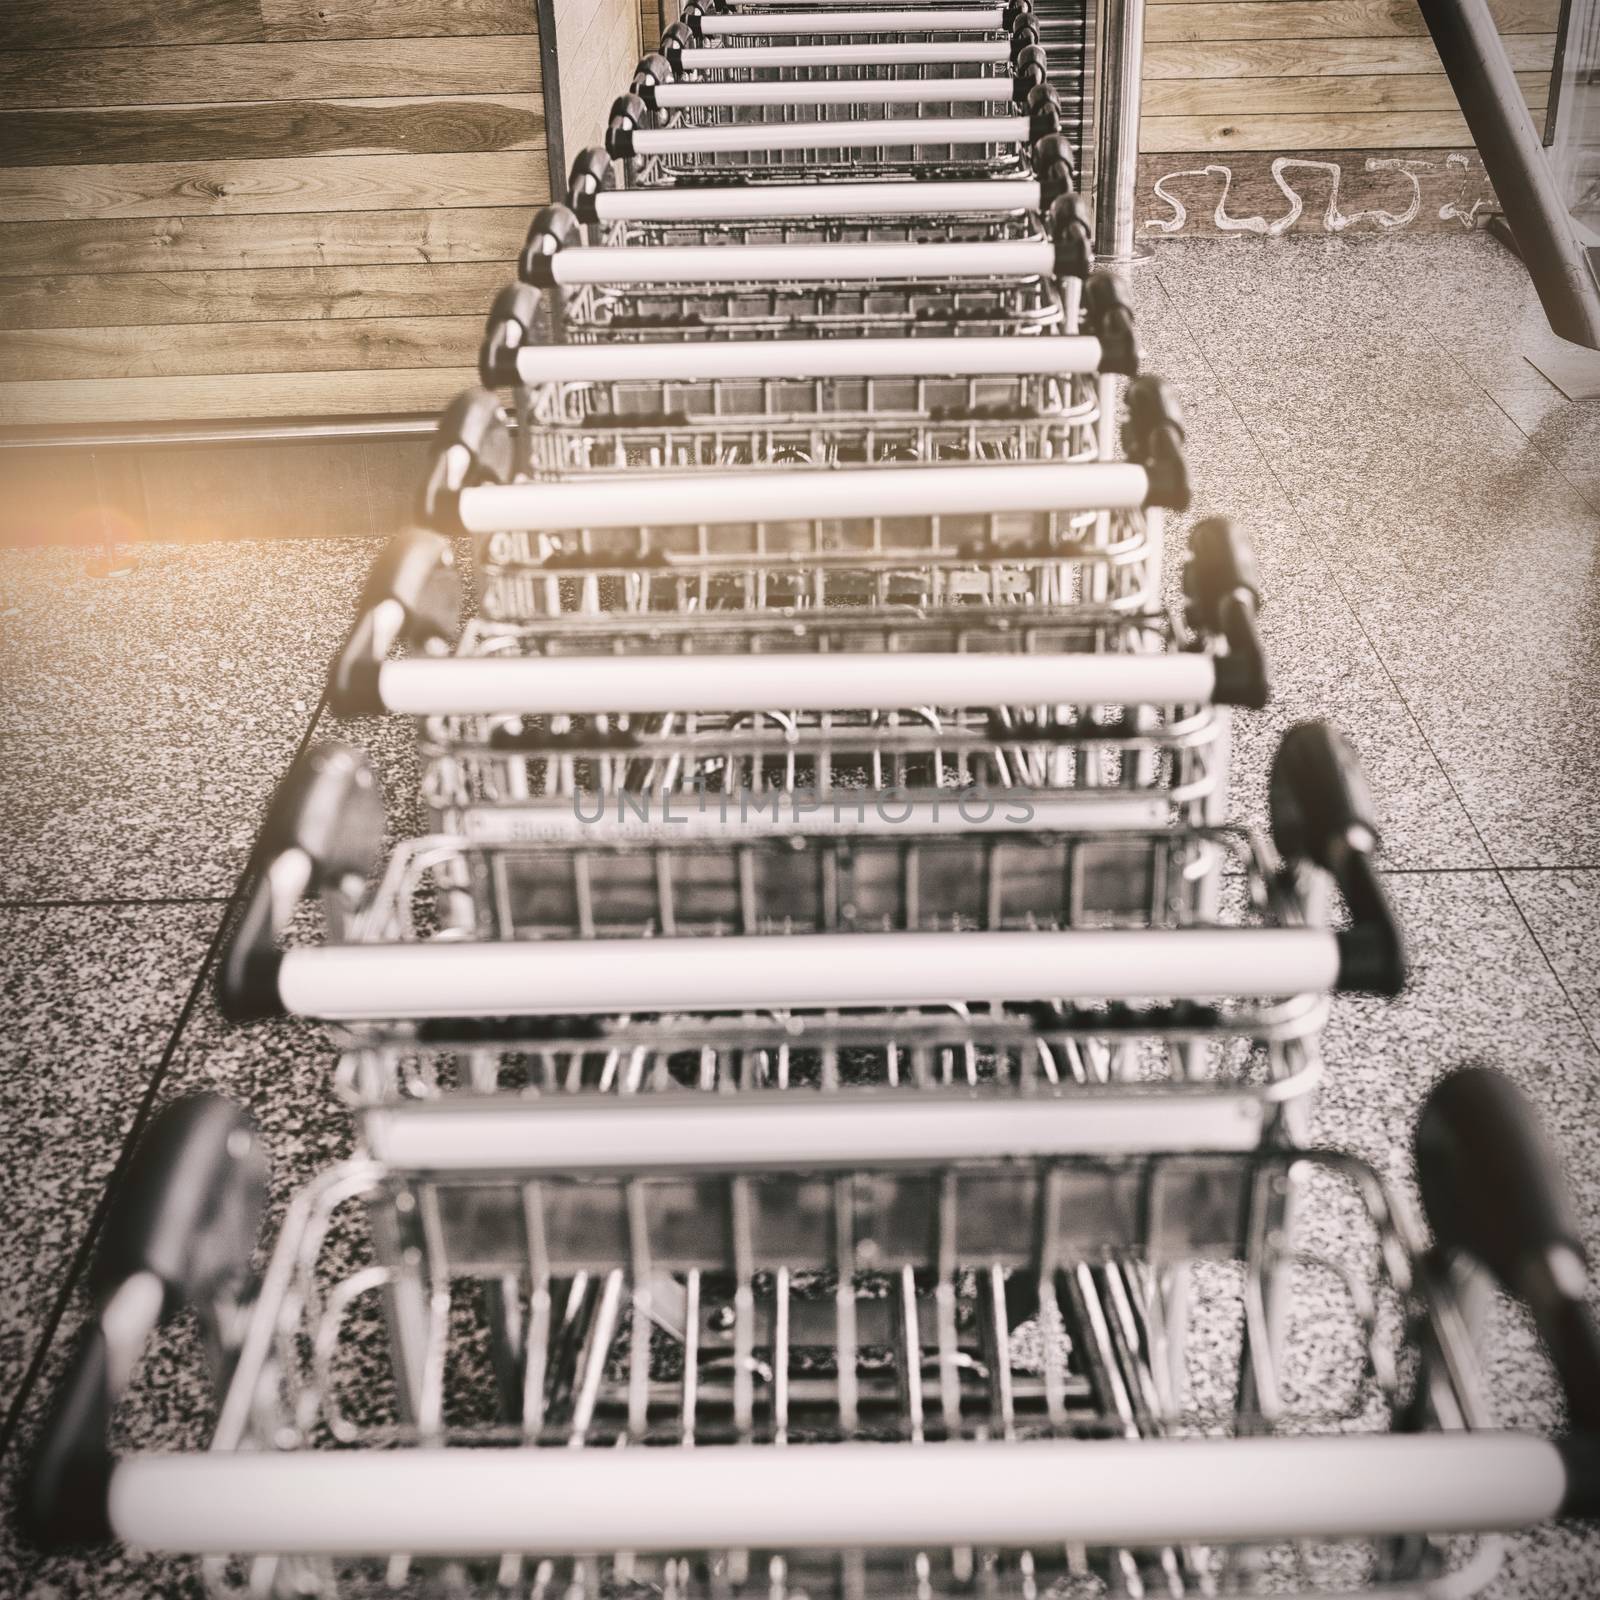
(248, 72)
(258, 208)
(393, 19)
(304, 239)
(598, 44)
(166, 351)
(1246, 91)
(82, 24)
(65, 403)
(149, 299)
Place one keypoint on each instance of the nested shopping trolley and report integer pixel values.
(902, 287)
(592, 407)
(660, 148)
(873, 49)
(912, 210)
(920, 538)
(706, 945)
(893, 1372)
(1074, 714)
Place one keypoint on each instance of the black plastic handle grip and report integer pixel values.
(652, 71)
(1322, 812)
(511, 322)
(416, 572)
(1029, 72)
(1045, 120)
(1110, 319)
(553, 229)
(628, 114)
(1068, 222)
(1056, 172)
(674, 41)
(472, 445)
(1493, 1189)
(690, 14)
(327, 814)
(1223, 590)
(186, 1214)
(1024, 32)
(591, 173)
(1153, 435)
(1015, 11)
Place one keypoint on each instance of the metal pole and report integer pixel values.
(1468, 42)
(1120, 41)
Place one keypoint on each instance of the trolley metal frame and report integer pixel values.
(895, 1371)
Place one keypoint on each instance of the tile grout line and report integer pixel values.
(1494, 400)
(79, 1261)
(1422, 732)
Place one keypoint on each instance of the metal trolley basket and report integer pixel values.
(931, 538)
(782, 402)
(893, 1374)
(862, 24)
(754, 920)
(902, 211)
(1035, 954)
(998, 287)
(1083, 715)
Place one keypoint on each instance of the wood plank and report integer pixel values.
(272, 295)
(1409, 130)
(1285, 58)
(226, 73)
(394, 19)
(278, 127)
(189, 350)
(1178, 20)
(76, 402)
(223, 188)
(306, 239)
(1336, 96)
(78, 24)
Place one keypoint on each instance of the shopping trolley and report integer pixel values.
(870, 24)
(1105, 712)
(585, 408)
(747, 911)
(912, 210)
(996, 287)
(886, 140)
(851, 1405)
(930, 537)
(664, 946)
(993, 288)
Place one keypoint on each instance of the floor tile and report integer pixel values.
(133, 817)
(211, 639)
(1563, 911)
(90, 995)
(1481, 992)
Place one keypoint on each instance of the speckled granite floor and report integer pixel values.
(1426, 509)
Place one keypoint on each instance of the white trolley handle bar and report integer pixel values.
(948, 53)
(807, 359)
(710, 499)
(884, 132)
(484, 1503)
(752, 1133)
(988, 20)
(885, 91)
(802, 263)
(597, 685)
(384, 982)
(934, 197)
